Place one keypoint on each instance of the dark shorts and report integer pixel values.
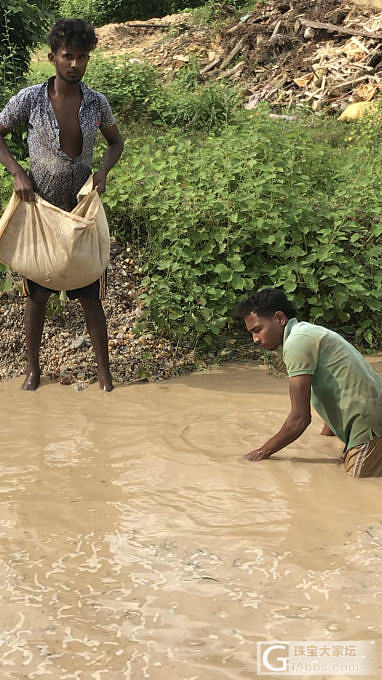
(95, 290)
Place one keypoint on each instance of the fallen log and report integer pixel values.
(349, 84)
(210, 66)
(238, 47)
(232, 71)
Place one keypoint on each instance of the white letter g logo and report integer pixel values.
(282, 659)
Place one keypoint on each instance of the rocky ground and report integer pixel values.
(66, 352)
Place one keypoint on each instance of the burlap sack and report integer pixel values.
(57, 249)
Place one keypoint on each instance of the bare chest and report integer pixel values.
(66, 113)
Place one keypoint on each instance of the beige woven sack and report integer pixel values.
(57, 249)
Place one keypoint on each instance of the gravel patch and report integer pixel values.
(66, 352)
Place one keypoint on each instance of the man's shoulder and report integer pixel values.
(97, 102)
(304, 337)
(305, 330)
(18, 109)
(301, 348)
(31, 90)
(310, 337)
(90, 94)
(28, 94)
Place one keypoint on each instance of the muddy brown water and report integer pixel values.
(136, 542)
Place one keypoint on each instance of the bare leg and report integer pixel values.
(34, 318)
(326, 431)
(96, 325)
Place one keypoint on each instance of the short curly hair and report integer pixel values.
(72, 33)
(266, 303)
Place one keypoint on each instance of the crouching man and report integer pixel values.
(326, 370)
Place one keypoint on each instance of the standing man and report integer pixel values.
(325, 369)
(62, 117)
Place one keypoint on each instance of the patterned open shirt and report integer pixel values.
(56, 177)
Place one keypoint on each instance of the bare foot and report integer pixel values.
(31, 381)
(105, 382)
(326, 431)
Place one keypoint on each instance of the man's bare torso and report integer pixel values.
(66, 110)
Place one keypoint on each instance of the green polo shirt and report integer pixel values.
(346, 391)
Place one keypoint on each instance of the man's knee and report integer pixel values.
(39, 298)
(89, 303)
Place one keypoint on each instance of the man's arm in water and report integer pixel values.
(296, 422)
(113, 152)
(22, 182)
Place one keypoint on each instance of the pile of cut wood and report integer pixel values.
(322, 53)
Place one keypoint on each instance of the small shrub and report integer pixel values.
(367, 130)
(129, 87)
(135, 92)
(219, 12)
(22, 26)
(204, 108)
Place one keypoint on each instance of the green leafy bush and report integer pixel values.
(262, 202)
(129, 86)
(22, 26)
(218, 12)
(136, 92)
(367, 130)
(106, 11)
(205, 108)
